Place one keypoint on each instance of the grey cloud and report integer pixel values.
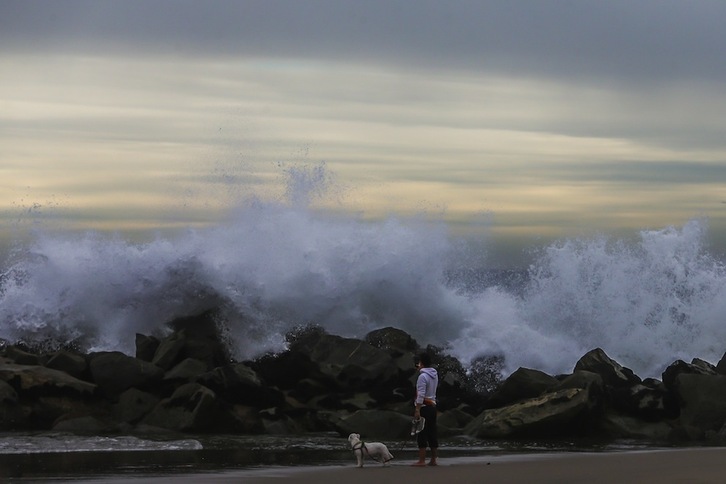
(610, 40)
(636, 172)
(632, 172)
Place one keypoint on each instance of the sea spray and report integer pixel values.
(271, 266)
(646, 303)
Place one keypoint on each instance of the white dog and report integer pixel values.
(375, 450)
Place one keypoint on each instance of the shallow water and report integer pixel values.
(27, 457)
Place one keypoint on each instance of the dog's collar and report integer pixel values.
(359, 445)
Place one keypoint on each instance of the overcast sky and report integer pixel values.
(547, 118)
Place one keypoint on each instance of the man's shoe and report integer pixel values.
(417, 425)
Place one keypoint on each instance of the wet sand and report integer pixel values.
(693, 465)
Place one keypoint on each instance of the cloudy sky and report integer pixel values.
(543, 118)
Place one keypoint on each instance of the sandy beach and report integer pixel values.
(698, 465)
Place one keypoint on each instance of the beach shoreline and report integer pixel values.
(702, 464)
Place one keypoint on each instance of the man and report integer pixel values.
(428, 381)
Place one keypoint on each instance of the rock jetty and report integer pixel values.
(187, 382)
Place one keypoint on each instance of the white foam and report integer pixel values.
(274, 265)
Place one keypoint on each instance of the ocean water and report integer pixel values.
(58, 456)
(273, 265)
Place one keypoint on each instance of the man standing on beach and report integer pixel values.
(428, 381)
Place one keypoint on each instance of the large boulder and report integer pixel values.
(191, 408)
(146, 346)
(245, 419)
(649, 401)
(133, 405)
(189, 370)
(307, 389)
(87, 424)
(588, 380)
(522, 384)
(67, 362)
(680, 367)
(286, 370)
(350, 362)
(557, 413)
(393, 340)
(20, 356)
(202, 339)
(115, 372)
(238, 383)
(170, 351)
(612, 373)
(12, 415)
(47, 410)
(376, 425)
(8, 395)
(618, 426)
(399, 344)
(453, 422)
(703, 401)
(38, 380)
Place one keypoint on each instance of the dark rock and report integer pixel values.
(392, 339)
(612, 373)
(308, 388)
(239, 383)
(115, 372)
(522, 384)
(455, 418)
(376, 425)
(393, 392)
(703, 400)
(85, 425)
(12, 415)
(283, 425)
(8, 395)
(189, 370)
(553, 414)
(618, 426)
(202, 339)
(47, 410)
(16, 417)
(21, 357)
(649, 401)
(286, 370)
(133, 405)
(191, 408)
(326, 382)
(588, 380)
(146, 347)
(246, 420)
(197, 342)
(38, 380)
(302, 338)
(169, 351)
(351, 363)
(71, 363)
(704, 365)
(358, 401)
(679, 367)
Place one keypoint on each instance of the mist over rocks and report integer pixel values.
(322, 382)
